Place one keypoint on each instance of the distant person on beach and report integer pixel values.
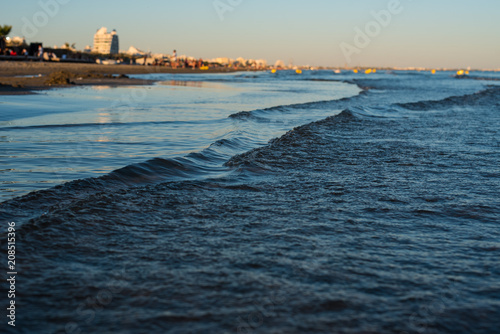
(40, 52)
(174, 59)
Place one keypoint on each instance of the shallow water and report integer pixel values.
(380, 216)
(67, 134)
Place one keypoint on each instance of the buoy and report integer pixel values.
(368, 71)
(273, 71)
(355, 71)
(461, 72)
(374, 70)
(433, 71)
(298, 71)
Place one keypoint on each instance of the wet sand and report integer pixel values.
(21, 78)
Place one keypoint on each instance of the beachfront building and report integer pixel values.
(135, 52)
(279, 64)
(106, 43)
(261, 63)
(222, 60)
(15, 41)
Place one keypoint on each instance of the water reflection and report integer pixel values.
(197, 84)
(104, 87)
(103, 118)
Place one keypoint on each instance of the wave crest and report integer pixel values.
(485, 97)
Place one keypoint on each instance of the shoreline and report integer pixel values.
(25, 78)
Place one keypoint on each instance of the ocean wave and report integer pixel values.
(331, 104)
(298, 137)
(382, 111)
(282, 108)
(195, 166)
(484, 97)
(261, 113)
(223, 155)
(471, 77)
(83, 125)
(199, 165)
(153, 171)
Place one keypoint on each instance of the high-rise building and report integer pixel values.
(106, 43)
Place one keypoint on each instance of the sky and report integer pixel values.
(420, 33)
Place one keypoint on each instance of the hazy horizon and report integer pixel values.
(451, 34)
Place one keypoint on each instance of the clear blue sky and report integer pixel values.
(430, 33)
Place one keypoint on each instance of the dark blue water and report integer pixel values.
(381, 216)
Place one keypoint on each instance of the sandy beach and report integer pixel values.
(21, 78)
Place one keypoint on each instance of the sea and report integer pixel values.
(255, 202)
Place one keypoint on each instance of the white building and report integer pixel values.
(222, 60)
(106, 43)
(133, 51)
(15, 41)
(261, 63)
(279, 64)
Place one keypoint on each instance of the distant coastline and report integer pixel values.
(22, 78)
(27, 77)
